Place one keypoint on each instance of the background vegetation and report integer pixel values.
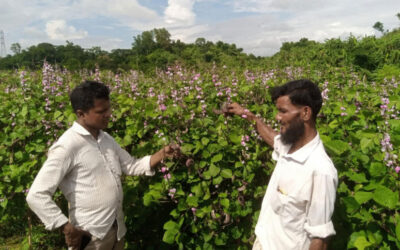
(164, 91)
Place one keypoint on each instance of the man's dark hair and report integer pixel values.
(82, 96)
(301, 92)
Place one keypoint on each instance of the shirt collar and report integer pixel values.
(82, 131)
(304, 152)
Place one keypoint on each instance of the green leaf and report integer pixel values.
(226, 173)
(192, 201)
(197, 190)
(216, 158)
(214, 170)
(186, 148)
(24, 110)
(357, 177)
(169, 236)
(366, 144)
(225, 202)
(351, 204)
(337, 147)
(57, 114)
(386, 197)
(235, 138)
(205, 141)
(377, 169)
(171, 225)
(395, 125)
(362, 197)
(398, 230)
(361, 243)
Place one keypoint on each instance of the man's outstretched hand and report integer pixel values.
(235, 109)
(172, 150)
(73, 235)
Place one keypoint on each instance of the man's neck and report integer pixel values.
(94, 132)
(309, 135)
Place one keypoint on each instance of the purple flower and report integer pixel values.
(162, 107)
(397, 169)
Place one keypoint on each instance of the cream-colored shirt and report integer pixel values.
(300, 198)
(88, 172)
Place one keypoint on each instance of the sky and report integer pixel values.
(258, 26)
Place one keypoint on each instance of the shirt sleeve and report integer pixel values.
(318, 222)
(45, 184)
(132, 166)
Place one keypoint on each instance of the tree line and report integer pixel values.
(155, 49)
(150, 50)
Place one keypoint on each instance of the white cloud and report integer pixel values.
(180, 13)
(59, 30)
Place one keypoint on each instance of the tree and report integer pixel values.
(15, 48)
(163, 38)
(398, 15)
(379, 27)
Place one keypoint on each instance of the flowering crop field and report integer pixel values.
(210, 197)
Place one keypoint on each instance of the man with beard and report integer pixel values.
(298, 204)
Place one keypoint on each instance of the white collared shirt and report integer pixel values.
(300, 197)
(88, 173)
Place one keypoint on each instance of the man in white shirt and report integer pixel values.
(298, 204)
(86, 163)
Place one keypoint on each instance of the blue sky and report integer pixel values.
(257, 26)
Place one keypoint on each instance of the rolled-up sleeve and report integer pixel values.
(131, 165)
(318, 220)
(45, 184)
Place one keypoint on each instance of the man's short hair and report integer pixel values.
(300, 92)
(82, 96)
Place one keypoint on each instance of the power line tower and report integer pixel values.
(3, 50)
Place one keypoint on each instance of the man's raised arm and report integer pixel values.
(266, 132)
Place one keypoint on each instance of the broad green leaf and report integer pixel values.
(225, 202)
(169, 236)
(24, 110)
(205, 141)
(197, 190)
(366, 144)
(216, 158)
(171, 225)
(192, 201)
(235, 138)
(214, 170)
(357, 177)
(361, 243)
(351, 204)
(226, 173)
(337, 147)
(362, 197)
(186, 148)
(398, 230)
(377, 169)
(395, 125)
(386, 197)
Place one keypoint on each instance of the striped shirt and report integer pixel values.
(88, 172)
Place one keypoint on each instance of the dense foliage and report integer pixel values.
(150, 50)
(210, 197)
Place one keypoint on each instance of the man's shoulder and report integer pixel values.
(321, 162)
(69, 140)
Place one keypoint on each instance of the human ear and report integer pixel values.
(79, 113)
(306, 113)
